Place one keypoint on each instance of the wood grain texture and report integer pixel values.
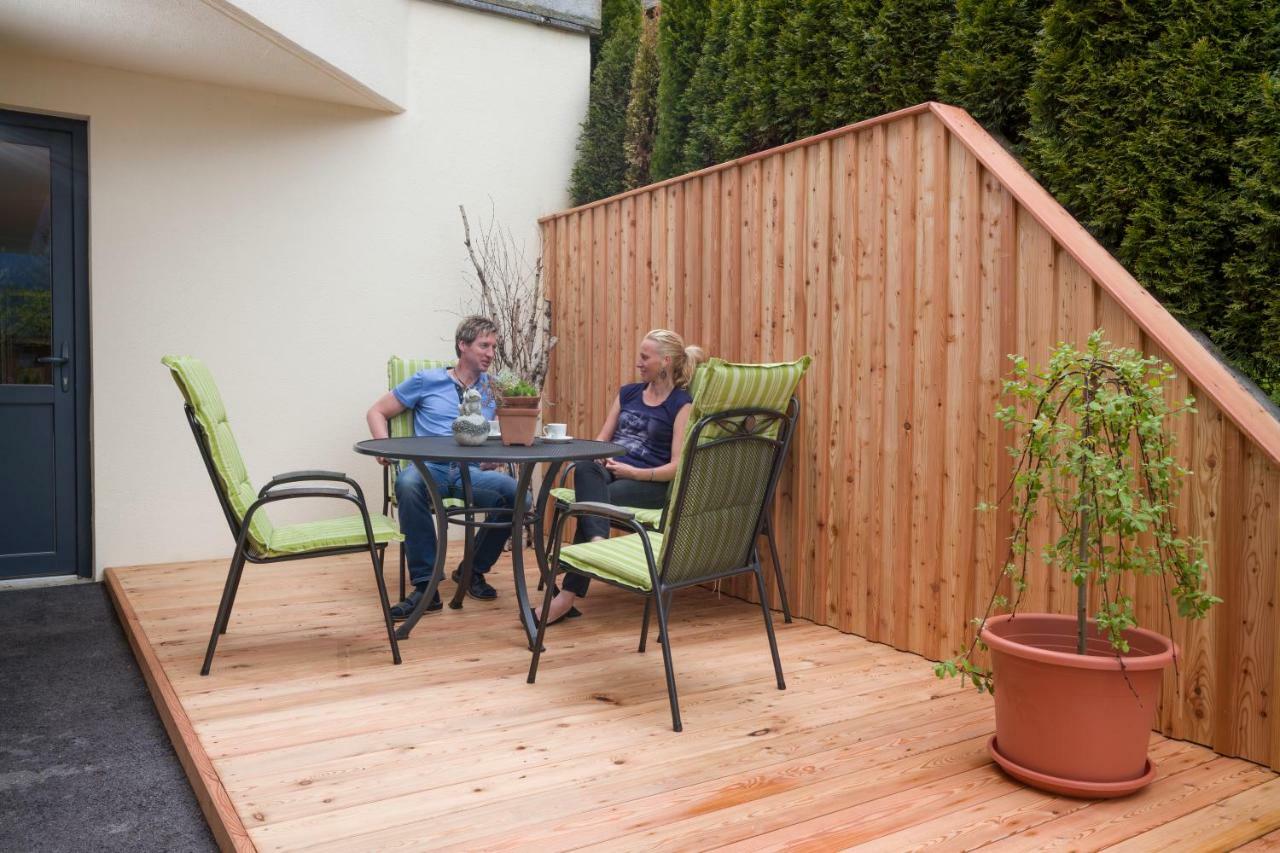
(909, 254)
(315, 742)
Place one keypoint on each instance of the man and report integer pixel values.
(433, 396)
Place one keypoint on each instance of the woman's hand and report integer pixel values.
(623, 471)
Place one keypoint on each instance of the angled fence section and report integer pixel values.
(909, 254)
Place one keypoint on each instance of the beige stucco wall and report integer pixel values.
(293, 245)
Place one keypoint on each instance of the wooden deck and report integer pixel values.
(305, 735)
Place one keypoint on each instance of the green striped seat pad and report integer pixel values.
(342, 532)
(647, 517)
(620, 559)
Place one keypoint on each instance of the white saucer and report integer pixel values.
(564, 439)
(494, 435)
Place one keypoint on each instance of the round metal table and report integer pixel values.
(421, 450)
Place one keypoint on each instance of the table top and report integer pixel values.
(445, 449)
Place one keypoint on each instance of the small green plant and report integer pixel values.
(1093, 450)
(508, 384)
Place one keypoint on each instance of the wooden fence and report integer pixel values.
(908, 254)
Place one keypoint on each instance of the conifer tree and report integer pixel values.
(733, 112)
(601, 167)
(987, 65)
(681, 26)
(853, 96)
(806, 67)
(906, 40)
(642, 107)
(762, 127)
(706, 89)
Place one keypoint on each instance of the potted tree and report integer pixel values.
(518, 408)
(1078, 692)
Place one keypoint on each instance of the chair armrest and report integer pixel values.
(304, 476)
(308, 492)
(616, 513)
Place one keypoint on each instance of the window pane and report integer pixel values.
(26, 284)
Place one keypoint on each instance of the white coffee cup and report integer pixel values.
(495, 428)
(555, 430)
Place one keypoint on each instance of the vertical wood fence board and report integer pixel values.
(908, 255)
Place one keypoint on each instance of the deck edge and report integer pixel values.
(223, 819)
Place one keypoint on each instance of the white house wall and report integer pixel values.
(293, 245)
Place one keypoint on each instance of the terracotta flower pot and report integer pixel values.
(518, 419)
(1071, 723)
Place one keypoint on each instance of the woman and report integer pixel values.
(648, 418)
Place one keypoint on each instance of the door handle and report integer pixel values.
(59, 361)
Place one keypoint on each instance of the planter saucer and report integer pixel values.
(1071, 787)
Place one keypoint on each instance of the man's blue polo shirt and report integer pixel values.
(433, 396)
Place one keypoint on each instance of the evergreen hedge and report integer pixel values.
(642, 107)
(681, 25)
(1155, 122)
(601, 166)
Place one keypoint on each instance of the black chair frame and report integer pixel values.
(741, 425)
(270, 493)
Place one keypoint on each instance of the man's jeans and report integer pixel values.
(488, 489)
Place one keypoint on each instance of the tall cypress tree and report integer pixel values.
(601, 167)
(642, 107)
(987, 65)
(853, 96)
(681, 26)
(733, 112)
(806, 67)
(906, 40)
(706, 89)
(762, 125)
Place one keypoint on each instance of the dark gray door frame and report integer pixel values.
(78, 132)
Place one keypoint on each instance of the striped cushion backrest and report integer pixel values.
(201, 393)
(398, 370)
(720, 386)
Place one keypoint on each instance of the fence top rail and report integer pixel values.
(1247, 413)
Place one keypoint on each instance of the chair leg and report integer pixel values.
(644, 626)
(376, 553)
(768, 627)
(404, 570)
(667, 665)
(235, 587)
(542, 627)
(662, 631)
(224, 607)
(777, 567)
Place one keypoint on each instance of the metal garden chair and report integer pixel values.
(715, 511)
(257, 539)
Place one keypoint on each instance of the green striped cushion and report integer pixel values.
(647, 517)
(722, 385)
(401, 426)
(398, 370)
(201, 393)
(330, 533)
(620, 559)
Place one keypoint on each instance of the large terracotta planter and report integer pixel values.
(1071, 723)
(518, 419)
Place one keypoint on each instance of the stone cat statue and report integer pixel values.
(470, 427)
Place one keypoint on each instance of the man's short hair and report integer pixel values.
(471, 328)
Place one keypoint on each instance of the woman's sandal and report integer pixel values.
(571, 613)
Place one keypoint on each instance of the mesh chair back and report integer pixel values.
(730, 461)
(222, 454)
(724, 486)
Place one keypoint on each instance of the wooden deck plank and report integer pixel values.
(316, 742)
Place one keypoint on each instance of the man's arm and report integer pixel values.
(383, 409)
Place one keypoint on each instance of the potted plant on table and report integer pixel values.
(519, 405)
(1078, 692)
